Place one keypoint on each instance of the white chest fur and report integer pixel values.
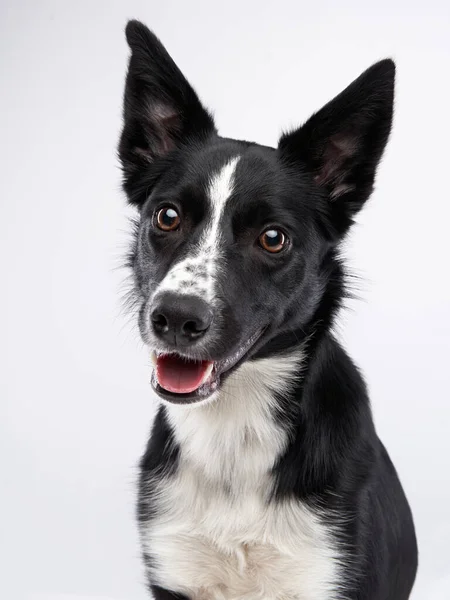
(215, 536)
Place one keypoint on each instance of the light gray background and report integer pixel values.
(75, 400)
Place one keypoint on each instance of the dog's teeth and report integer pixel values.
(153, 358)
(207, 373)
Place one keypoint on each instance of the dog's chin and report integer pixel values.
(204, 383)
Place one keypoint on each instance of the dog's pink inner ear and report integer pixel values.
(334, 162)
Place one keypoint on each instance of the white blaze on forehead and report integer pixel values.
(221, 188)
(196, 273)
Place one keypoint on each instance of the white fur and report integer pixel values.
(196, 273)
(215, 536)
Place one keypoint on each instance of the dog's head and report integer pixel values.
(235, 251)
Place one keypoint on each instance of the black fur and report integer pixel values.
(312, 186)
(161, 594)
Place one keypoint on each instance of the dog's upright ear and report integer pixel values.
(161, 110)
(341, 145)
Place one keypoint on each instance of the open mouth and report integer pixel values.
(182, 380)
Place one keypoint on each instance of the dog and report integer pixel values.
(263, 477)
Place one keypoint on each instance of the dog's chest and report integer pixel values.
(218, 548)
(215, 535)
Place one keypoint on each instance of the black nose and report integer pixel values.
(180, 319)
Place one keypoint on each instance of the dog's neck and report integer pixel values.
(236, 439)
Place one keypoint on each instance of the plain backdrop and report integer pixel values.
(76, 404)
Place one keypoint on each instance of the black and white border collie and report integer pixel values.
(264, 478)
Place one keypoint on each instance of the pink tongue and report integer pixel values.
(179, 375)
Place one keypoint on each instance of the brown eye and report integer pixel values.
(272, 240)
(168, 219)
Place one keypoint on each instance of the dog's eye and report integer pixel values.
(167, 219)
(272, 240)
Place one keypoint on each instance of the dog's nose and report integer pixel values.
(180, 319)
